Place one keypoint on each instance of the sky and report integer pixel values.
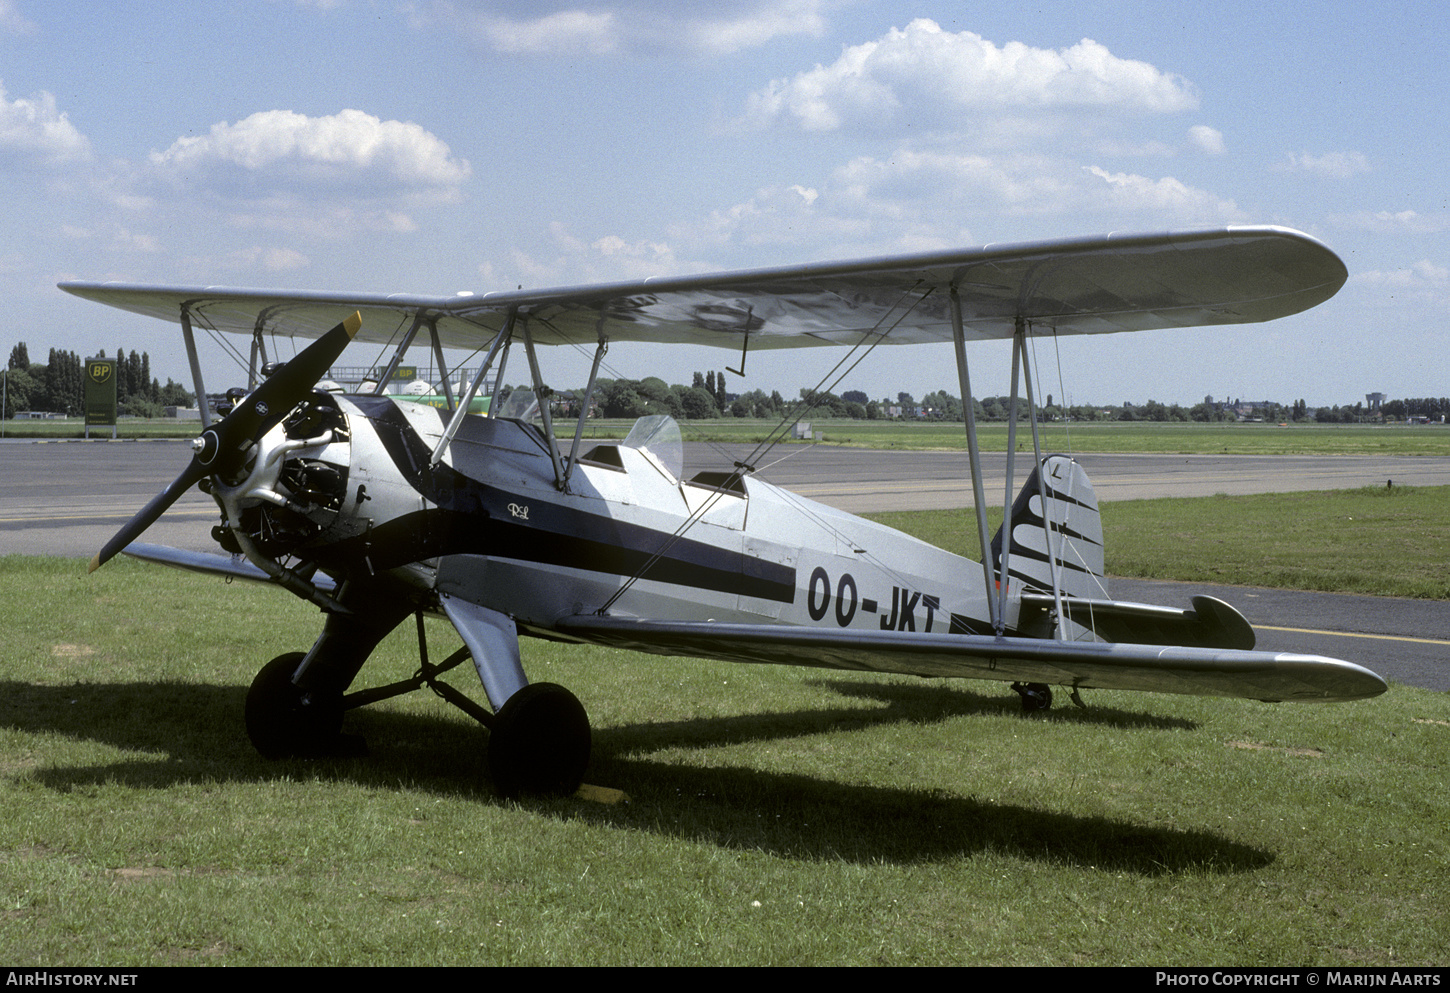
(436, 146)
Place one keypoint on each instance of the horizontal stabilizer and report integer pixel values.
(1210, 624)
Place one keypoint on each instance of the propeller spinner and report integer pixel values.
(222, 448)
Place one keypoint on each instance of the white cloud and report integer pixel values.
(565, 32)
(922, 71)
(1337, 165)
(757, 25)
(280, 259)
(636, 259)
(945, 184)
(937, 180)
(561, 257)
(1167, 196)
(1394, 222)
(12, 21)
(593, 28)
(919, 200)
(113, 237)
(314, 218)
(34, 128)
(1425, 284)
(314, 177)
(1206, 139)
(777, 215)
(134, 241)
(529, 271)
(1150, 148)
(1423, 275)
(340, 147)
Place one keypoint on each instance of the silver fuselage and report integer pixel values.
(489, 524)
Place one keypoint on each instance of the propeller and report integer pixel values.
(222, 447)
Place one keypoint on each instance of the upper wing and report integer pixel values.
(1272, 676)
(1084, 286)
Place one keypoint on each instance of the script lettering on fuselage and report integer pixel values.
(844, 596)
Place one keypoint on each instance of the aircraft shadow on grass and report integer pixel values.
(192, 729)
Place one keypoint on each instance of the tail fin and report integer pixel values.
(1077, 534)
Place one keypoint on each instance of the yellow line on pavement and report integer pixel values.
(1351, 634)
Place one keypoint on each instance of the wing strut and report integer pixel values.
(599, 351)
(190, 339)
(466, 400)
(1054, 548)
(259, 351)
(1020, 362)
(442, 365)
(545, 395)
(495, 400)
(419, 317)
(999, 621)
(979, 499)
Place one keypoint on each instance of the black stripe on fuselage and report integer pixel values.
(473, 517)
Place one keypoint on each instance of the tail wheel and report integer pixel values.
(283, 721)
(539, 742)
(1036, 697)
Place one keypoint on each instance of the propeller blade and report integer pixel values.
(227, 440)
(274, 399)
(158, 504)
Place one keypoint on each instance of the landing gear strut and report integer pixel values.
(1035, 696)
(539, 740)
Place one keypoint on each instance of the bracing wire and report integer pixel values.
(874, 336)
(1067, 510)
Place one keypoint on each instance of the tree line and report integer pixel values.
(57, 385)
(1434, 408)
(707, 398)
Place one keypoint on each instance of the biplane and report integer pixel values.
(377, 508)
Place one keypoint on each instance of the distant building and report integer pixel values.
(1248, 410)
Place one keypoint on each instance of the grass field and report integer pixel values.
(776, 816)
(1150, 437)
(1114, 437)
(1377, 541)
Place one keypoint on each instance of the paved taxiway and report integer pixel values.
(67, 498)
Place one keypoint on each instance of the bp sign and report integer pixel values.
(100, 391)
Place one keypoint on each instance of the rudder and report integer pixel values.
(1077, 533)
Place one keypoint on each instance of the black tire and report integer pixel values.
(281, 723)
(539, 742)
(1036, 697)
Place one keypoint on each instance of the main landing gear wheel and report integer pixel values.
(539, 742)
(1035, 696)
(283, 722)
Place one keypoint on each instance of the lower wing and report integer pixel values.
(1268, 676)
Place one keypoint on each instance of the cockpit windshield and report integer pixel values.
(659, 435)
(520, 405)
